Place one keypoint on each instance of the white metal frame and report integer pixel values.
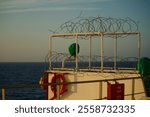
(90, 34)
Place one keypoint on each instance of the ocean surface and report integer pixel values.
(22, 73)
(12, 74)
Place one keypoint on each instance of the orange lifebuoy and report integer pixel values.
(63, 88)
(44, 80)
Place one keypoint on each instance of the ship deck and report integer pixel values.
(93, 83)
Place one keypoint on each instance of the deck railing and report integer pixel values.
(4, 87)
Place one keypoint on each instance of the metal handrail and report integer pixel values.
(65, 83)
(4, 87)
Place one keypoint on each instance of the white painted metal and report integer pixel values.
(115, 52)
(93, 34)
(134, 89)
(90, 51)
(99, 89)
(50, 53)
(102, 52)
(76, 39)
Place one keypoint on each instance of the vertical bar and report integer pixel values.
(63, 63)
(58, 89)
(3, 94)
(133, 86)
(76, 39)
(50, 54)
(100, 90)
(102, 53)
(90, 52)
(139, 46)
(115, 52)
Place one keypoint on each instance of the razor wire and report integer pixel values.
(58, 57)
(97, 24)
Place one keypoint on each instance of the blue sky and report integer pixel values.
(24, 24)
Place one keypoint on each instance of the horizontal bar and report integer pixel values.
(93, 34)
(67, 83)
(134, 94)
(92, 81)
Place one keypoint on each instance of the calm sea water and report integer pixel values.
(28, 73)
(22, 73)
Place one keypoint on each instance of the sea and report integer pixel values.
(13, 74)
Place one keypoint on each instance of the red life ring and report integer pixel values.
(44, 80)
(63, 88)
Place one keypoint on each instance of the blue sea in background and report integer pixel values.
(22, 73)
(30, 73)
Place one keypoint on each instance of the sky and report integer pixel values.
(25, 24)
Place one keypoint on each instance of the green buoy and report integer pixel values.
(72, 49)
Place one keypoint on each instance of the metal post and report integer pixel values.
(76, 39)
(102, 53)
(133, 85)
(139, 46)
(3, 94)
(58, 89)
(90, 50)
(100, 90)
(50, 54)
(63, 63)
(115, 52)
